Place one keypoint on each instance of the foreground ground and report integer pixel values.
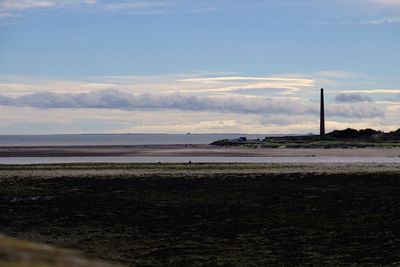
(209, 215)
(20, 253)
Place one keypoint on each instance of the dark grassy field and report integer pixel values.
(212, 219)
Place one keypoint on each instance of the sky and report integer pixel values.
(210, 66)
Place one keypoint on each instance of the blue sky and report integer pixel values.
(201, 64)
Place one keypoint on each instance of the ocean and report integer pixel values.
(155, 139)
(117, 139)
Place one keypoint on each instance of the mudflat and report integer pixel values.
(191, 151)
(209, 214)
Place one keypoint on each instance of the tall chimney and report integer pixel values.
(322, 111)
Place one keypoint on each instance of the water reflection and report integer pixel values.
(327, 159)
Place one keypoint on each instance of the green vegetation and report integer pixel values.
(348, 138)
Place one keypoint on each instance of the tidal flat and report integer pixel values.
(209, 214)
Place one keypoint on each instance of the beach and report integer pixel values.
(190, 151)
(208, 214)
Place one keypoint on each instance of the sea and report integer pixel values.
(155, 139)
(118, 139)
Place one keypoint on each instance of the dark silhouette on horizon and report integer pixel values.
(322, 114)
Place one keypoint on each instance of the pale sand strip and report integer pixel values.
(189, 170)
(191, 151)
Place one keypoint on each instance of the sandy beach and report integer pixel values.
(185, 170)
(190, 151)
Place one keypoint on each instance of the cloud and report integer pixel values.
(388, 20)
(115, 99)
(154, 7)
(177, 103)
(387, 2)
(12, 8)
(356, 110)
(6, 14)
(25, 4)
(334, 74)
(134, 5)
(352, 98)
(245, 78)
(197, 83)
(374, 91)
(242, 83)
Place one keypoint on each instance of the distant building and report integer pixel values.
(322, 115)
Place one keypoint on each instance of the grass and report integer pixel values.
(326, 144)
(311, 142)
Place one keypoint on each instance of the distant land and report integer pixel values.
(348, 138)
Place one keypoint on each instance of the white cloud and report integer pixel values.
(388, 20)
(386, 2)
(233, 78)
(148, 7)
(373, 91)
(230, 84)
(133, 5)
(25, 4)
(10, 8)
(6, 14)
(335, 74)
(185, 83)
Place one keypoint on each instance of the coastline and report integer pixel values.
(190, 151)
(187, 171)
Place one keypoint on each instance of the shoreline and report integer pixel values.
(190, 151)
(187, 171)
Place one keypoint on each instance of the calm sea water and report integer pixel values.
(155, 139)
(44, 160)
(116, 139)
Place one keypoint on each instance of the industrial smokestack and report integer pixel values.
(322, 113)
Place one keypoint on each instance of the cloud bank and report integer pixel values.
(352, 98)
(387, 2)
(115, 99)
(386, 20)
(8, 5)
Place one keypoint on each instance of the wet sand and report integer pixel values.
(190, 151)
(185, 170)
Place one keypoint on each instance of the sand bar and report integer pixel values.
(190, 151)
(110, 170)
